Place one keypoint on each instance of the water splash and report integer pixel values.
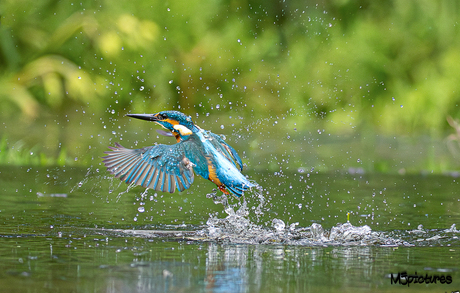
(236, 228)
(88, 176)
(218, 199)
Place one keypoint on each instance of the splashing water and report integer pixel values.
(243, 223)
(238, 229)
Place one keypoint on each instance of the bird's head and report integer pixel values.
(174, 121)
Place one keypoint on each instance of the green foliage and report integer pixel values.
(389, 67)
(337, 61)
(19, 155)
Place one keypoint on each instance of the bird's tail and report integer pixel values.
(240, 188)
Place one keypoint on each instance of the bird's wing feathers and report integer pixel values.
(164, 132)
(227, 151)
(161, 167)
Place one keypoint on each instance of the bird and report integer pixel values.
(169, 167)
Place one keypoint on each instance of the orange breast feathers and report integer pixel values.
(212, 173)
(213, 177)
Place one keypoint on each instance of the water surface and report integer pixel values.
(80, 230)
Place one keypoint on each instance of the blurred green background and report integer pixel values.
(364, 74)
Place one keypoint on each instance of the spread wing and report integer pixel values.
(227, 151)
(160, 167)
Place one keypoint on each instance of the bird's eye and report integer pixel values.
(161, 117)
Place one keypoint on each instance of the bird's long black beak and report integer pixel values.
(148, 117)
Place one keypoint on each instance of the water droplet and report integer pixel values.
(222, 127)
(141, 209)
(141, 88)
(278, 224)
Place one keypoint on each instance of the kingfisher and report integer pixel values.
(170, 167)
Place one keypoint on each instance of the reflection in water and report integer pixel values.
(226, 272)
(248, 268)
(155, 276)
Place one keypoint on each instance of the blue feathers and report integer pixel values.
(161, 168)
(170, 167)
(226, 150)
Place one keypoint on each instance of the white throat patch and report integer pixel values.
(182, 130)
